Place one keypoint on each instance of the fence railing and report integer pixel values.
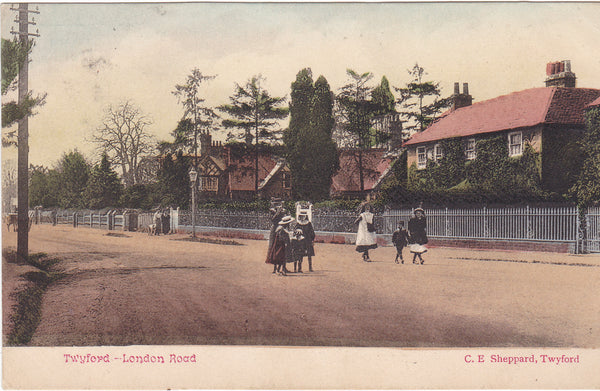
(539, 224)
(592, 225)
(544, 224)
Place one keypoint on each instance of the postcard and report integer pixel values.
(300, 195)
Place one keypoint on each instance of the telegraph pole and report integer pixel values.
(23, 136)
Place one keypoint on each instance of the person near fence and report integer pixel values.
(400, 240)
(157, 220)
(281, 251)
(366, 238)
(417, 229)
(308, 248)
(166, 221)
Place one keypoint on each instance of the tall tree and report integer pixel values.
(123, 136)
(383, 98)
(196, 113)
(254, 110)
(44, 187)
(295, 136)
(104, 187)
(420, 101)
(74, 175)
(181, 138)
(587, 187)
(323, 156)
(356, 112)
(173, 180)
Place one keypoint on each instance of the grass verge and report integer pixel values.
(210, 240)
(27, 312)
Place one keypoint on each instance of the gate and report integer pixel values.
(592, 225)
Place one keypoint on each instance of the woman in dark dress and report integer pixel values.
(417, 229)
(281, 250)
(277, 214)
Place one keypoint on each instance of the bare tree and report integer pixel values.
(124, 138)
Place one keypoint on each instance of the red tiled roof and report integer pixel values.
(594, 103)
(549, 105)
(241, 176)
(347, 178)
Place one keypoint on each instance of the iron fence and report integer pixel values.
(592, 223)
(555, 224)
(544, 224)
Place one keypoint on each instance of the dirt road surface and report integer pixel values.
(136, 289)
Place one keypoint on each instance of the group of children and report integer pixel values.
(290, 241)
(416, 236)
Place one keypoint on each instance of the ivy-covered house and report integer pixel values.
(527, 138)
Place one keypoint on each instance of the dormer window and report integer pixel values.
(515, 144)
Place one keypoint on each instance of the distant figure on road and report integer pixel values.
(281, 250)
(157, 220)
(166, 221)
(400, 240)
(365, 236)
(417, 229)
(308, 248)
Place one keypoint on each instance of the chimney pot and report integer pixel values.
(559, 74)
(466, 88)
(456, 89)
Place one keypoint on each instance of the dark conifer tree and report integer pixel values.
(104, 187)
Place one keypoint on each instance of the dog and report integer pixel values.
(152, 230)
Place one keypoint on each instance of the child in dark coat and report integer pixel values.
(308, 233)
(400, 240)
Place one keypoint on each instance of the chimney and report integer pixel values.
(559, 74)
(461, 100)
(205, 143)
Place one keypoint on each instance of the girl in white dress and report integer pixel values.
(365, 236)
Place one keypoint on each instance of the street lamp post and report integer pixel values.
(193, 178)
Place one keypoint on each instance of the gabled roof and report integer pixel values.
(211, 165)
(280, 164)
(545, 105)
(594, 103)
(241, 171)
(347, 179)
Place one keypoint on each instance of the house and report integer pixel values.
(346, 182)
(273, 176)
(228, 173)
(549, 119)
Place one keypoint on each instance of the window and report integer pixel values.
(421, 158)
(438, 152)
(515, 144)
(285, 180)
(209, 183)
(470, 149)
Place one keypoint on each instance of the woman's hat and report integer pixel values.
(419, 210)
(286, 220)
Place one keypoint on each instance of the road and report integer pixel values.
(136, 289)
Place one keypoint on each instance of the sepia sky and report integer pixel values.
(93, 55)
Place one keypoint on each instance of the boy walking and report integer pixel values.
(400, 240)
